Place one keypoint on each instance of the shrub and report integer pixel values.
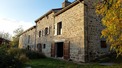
(14, 57)
(18, 54)
(8, 61)
(25, 54)
(14, 52)
(34, 55)
(23, 58)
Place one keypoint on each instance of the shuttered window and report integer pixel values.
(59, 28)
(40, 33)
(46, 30)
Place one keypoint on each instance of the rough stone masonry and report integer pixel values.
(71, 32)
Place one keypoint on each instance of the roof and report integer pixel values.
(68, 7)
(4, 39)
(59, 10)
(52, 10)
(28, 30)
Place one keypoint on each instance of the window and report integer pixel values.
(28, 38)
(39, 33)
(44, 46)
(103, 44)
(46, 31)
(59, 28)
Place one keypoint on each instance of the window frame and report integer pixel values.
(40, 33)
(46, 31)
(103, 44)
(59, 28)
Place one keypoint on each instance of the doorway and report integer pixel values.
(39, 46)
(59, 49)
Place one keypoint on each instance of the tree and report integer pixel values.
(15, 39)
(111, 12)
(18, 31)
(6, 36)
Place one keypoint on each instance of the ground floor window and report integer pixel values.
(44, 46)
(103, 44)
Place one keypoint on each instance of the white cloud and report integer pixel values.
(9, 25)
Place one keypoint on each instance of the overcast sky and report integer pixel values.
(15, 13)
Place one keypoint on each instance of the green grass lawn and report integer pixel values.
(53, 63)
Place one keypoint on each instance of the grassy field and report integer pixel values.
(53, 63)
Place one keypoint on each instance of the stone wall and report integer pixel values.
(73, 30)
(80, 26)
(47, 21)
(93, 28)
(24, 40)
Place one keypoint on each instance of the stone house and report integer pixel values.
(27, 39)
(71, 32)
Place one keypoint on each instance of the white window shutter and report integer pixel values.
(55, 29)
(61, 31)
(48, 30)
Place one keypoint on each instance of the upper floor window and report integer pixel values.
(46, 30)
(40, 33)
(59, 28)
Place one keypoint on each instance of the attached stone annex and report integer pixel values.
(71, 32)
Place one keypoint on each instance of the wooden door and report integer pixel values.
(66, 50)
(39, 47)
(53, 50)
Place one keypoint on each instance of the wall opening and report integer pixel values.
(46, 31)
(44, 46)
(59, 28)
(39, 46)
(59, 49)
(103, 44)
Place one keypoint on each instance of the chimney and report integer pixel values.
(65, 3)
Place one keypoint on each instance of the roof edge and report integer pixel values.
(50, 11)
(68, 7)
(28, 30)
(5, 39)
(44, 15)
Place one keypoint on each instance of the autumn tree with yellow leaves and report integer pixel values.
(111, 12)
